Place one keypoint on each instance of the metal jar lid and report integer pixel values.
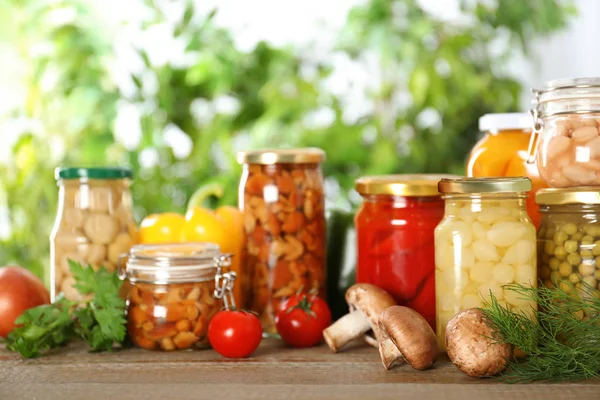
(484, 185)
(505, 121)
(400, 185)
(580, 195)
(93, 173)
(570, 88)
(308, 155)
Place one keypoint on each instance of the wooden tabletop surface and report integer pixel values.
(274, 372)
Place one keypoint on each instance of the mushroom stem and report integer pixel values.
(389, 353)
(345, 329)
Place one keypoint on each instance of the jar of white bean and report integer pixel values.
(94, 224)
(485, 241)
(569, 242)
(566, 124)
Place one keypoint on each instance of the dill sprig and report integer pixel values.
(559, 343)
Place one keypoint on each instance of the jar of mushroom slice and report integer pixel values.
(94, 223)
(283, 202)
(567, 132)
(174, 291)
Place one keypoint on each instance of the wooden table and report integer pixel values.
(274, 372)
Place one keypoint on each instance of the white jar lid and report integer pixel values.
(499, 122)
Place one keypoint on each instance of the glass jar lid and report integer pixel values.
(505, 121)
(308, 155)
(400, 185)
(172, 263)
(571, 88)
(93, 173)
(581, 195)
(484, 185)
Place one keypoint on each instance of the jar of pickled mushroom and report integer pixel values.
(486, 240)
(94, 223)
(567, 121)
(569, 241)
(503, 151)
(171, 296)
(394, 229)
(283, 202)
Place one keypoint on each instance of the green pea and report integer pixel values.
(587, 254)
(554, 263)
(574, 259)
(560, 253)
(565, 269)
(560, 237)
(590, 280)
(574, 278)
(596, 248)
(549, 248)
(586, 269)
(571, 246)
(597, 274)
(578, 236)
(587, 239)
(569, 229)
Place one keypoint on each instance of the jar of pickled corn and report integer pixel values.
(569, 241)
(171, 296)
(486, 240)
(567, 128)
(394, 227)
(503, 151)
(94, 223)
(283, 202)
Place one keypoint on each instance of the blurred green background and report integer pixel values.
(179, 120)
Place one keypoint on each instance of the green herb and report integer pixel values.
(99, 321)
(561, 345)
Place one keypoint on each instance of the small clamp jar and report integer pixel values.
(173, 292)
(566, 140)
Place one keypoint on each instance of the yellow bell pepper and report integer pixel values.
(223, 226)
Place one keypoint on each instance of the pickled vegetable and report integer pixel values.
(468, 271)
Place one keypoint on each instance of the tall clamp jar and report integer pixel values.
(174, 291)
(395, 225)
(283, 203)
(569, 241)
(485, 241)
(94, 223)
(503, 152)
(567, 132)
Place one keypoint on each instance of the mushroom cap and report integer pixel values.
(471, 346)
(411, 334)
(371, 301)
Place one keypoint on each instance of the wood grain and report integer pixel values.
(275, 371)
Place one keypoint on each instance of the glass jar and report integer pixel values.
(567, 121)
(486, 240)
(283, 202)
(569, 241)
(503, 151)
(394, 229)
(94, 223)
(171, 296)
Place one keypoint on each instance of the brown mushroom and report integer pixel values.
(406, 336)
(472, 346)
(366, 303)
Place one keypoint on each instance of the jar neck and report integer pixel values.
(401, 201)
(479, 202)
(570, 208)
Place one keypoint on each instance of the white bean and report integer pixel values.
(504, 273)
(525, 274)
(578, 174)
(482, 272)
(519, 253)
(506, 233)
(594, 146)
(584, 134)
(486, 288)
(484, 250)
(557, 146)
(471, 301)
(461, 233)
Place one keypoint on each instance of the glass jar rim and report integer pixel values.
(484, 185)
(560, 196)
(307, 155)
(172, 262)
(400, 185)
(568, 88)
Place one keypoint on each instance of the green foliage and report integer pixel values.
(437, 78)
(99, 321)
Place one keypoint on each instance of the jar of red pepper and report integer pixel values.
(395, 227)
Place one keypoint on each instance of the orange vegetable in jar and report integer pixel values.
(503, 152)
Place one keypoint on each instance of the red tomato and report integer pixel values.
(234, 334)
(302, 320)
(19, 291)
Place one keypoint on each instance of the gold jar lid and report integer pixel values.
(580, 195)
(484, 185)
(308, 155)
(400, 185)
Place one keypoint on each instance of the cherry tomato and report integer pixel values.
(19, 291)
(234, 334)
(302, 320)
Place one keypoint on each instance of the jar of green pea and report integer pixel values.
(569, 241)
